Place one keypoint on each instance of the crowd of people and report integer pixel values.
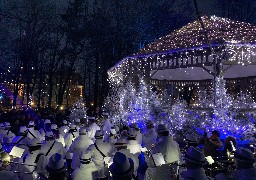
(91, 149)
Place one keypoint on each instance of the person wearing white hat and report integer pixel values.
(132, 144)
(122, 167)
(64, 128)
(8, 135)
(57, 135)
(32, 133)
(194, 160)
(78, 124)
(86, 168)
(33, 162)
(121, 146)
(150, 136)
(100, 150)
(106, 126)
(134, 127)
(21, 140)
(168, 148)
(244, 160)
(51, 146)
(57, 168)
(71, 136)
(46, 127)
(112, 136)
(93, 127)
(81, 143)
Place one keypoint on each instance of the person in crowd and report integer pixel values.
(121, 146)
(57, 168)
(32, 133)
(191, 141)
(132, 144)
(64, 128)
(106, 125)
(21, 140)
(93, 127)
(150, 136)
(81, 143)
(47, 127)
(86, 168)
(211, 144)
(7, 134)
(195, 161)
(77, 122)
(170, 151)
(51, 146)
(230, 144)
(122, 167)
(32, 163)
(57, 136)
(244, 160)
(99, 151)
(112, 136)
(135, 127)
(71, 136)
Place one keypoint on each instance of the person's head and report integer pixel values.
(194, 158)
(64, 122)
(47, 124)
(34, 144)
(82, 132)
(99, 135)
(131, 135)
(162, 131)
(91, 120)
(244, 158)
(72, 128)
(122, 167)
(23, 131)
(31, 124)
(7, 125)
(215, 134)
(86, 158)
(49, 136)
(105, 115)
(112, 132)
(120, 144)
(149, 124)
(77, 122)
(56, 168)
(191, 141)
(134, 126)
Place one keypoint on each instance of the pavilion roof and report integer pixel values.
(219, 30)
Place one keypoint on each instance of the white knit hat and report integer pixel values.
(113, 131)
(77, 120)
(105, 114)
(65, 122)
(91, 118)
(73, 126)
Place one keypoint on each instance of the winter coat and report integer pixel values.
(106, 129)
(32, 133)
(85, 171)
(69, 138)
(139, 137)
(30, 165)
(149, 138)
(92, 130)
(80, 144)
(61, 140)
(51, 147)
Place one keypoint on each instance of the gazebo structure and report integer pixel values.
(186, 57)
